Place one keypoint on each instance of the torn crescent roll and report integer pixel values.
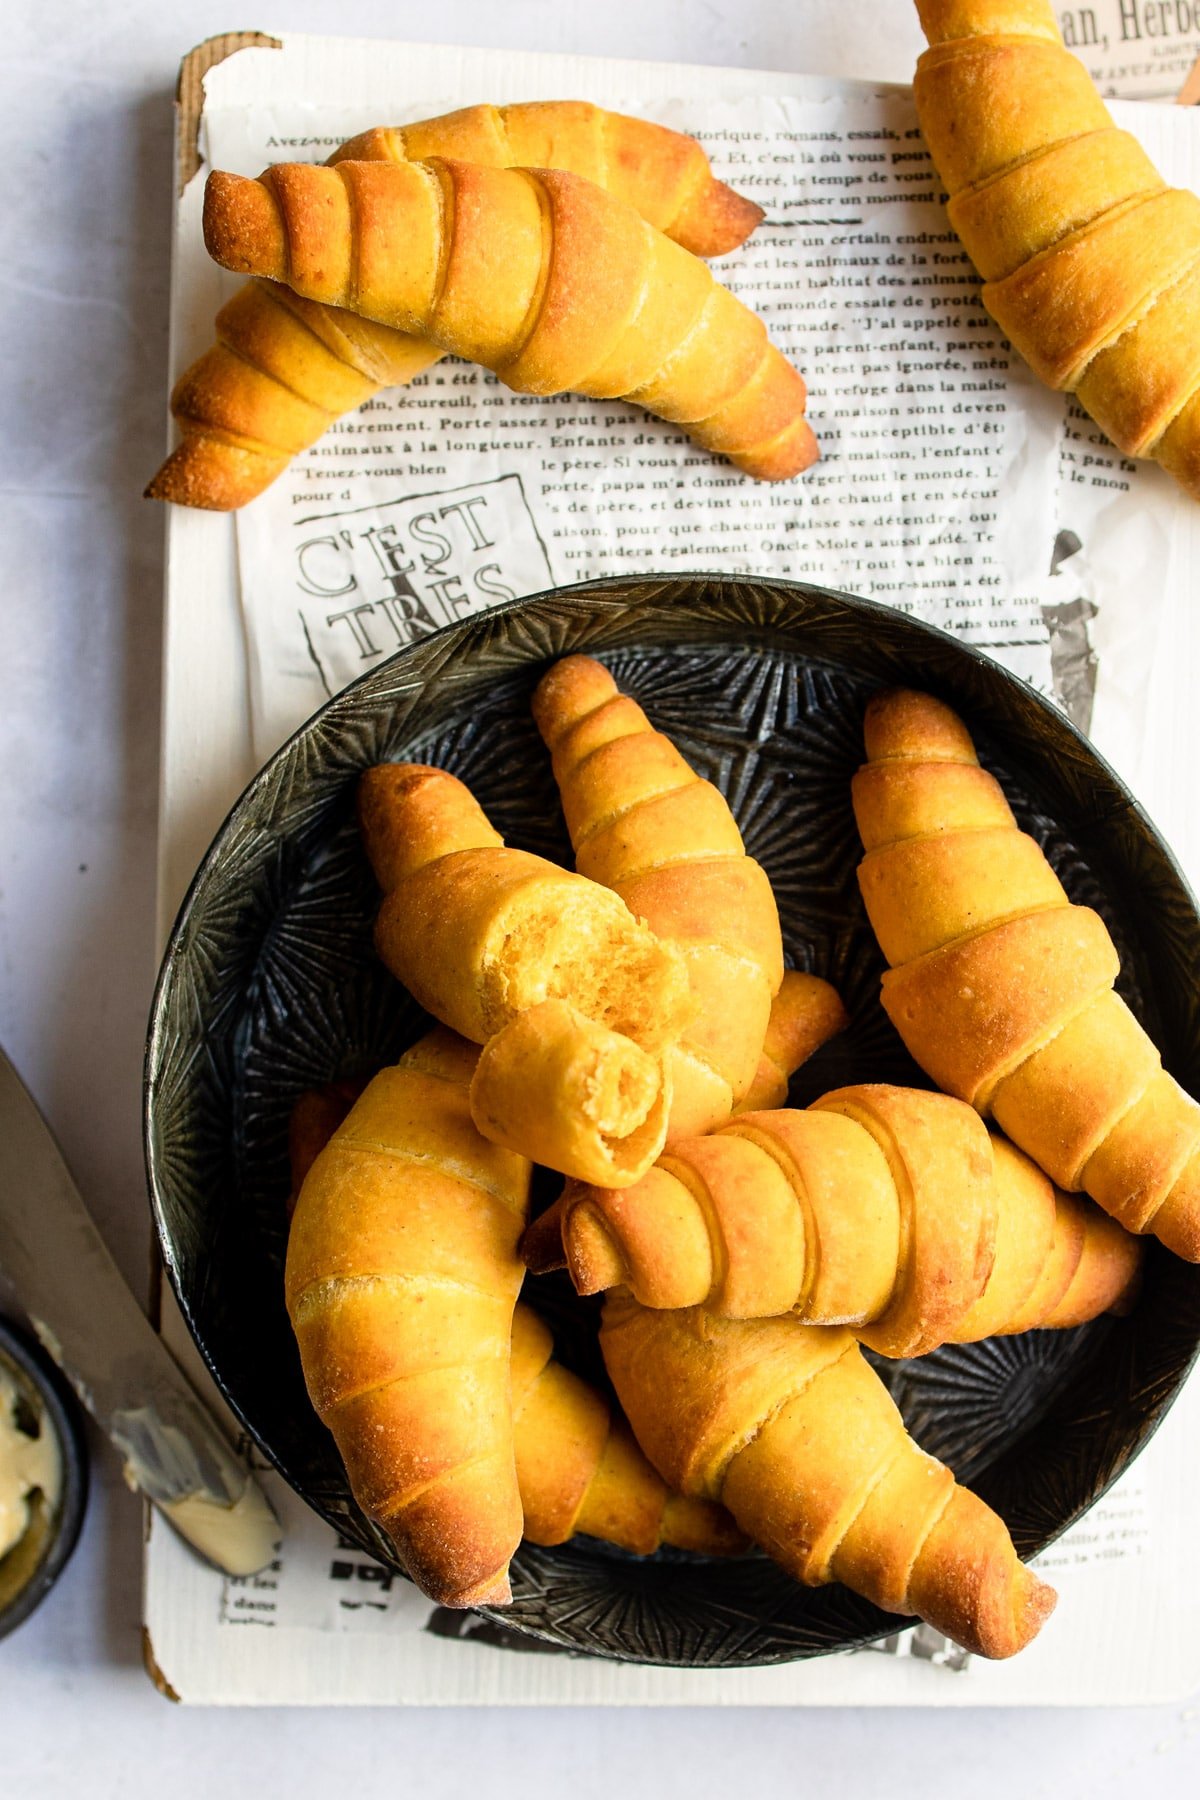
(480, 933)
(576, 1002)
(572, 1095)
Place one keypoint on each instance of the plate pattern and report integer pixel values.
(270, 986)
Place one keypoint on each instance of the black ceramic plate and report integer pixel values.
(270, 986)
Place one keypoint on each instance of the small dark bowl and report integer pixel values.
(270, 986)
(33, 1565)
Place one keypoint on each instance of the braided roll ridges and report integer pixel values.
(1091, 263)
(538, 275)
(1002, 990)
(283, 369)
(643, 823)
(886, 1209)
(790, 1428)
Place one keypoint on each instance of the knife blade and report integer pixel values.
(90, 1323)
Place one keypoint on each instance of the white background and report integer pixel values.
(86, 162)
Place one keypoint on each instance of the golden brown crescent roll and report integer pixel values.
(480, 933)
(805, 1013)
(664, 175)
(572, 1095)
(539, 275)
(644, 823)
(890, 1210)
(1091, 263)
(402, 1274)
(283, 369)
(787, 1426)
(1002, 990)
(578, 1467)
(575, 1000)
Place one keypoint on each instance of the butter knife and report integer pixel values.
(87, 1318)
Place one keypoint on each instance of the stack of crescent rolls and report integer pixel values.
(632, 1026)
(560, 246)
(555, 243)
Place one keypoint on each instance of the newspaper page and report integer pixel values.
(942, 457)
(1134, 49)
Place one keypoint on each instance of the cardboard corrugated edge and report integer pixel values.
(189, 92)
(154, 1672)
(189, 108)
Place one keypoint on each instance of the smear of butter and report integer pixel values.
(27, 1465)
(184, 1465)
(241, 1539)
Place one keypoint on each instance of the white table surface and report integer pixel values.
(85, 150)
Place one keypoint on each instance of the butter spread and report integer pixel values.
(27, 1465)
(241, 1539)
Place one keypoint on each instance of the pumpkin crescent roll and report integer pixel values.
(1091, 263)
(572, 1095)
(283, 369)
(578, 1467)
(789, 1427)
(574, 999)
(401, 1277)
(663, 174)
(537, 274)
(890, 1210)
(1002, 990)
(644, 823)
(314, 1118)
(805, 1013)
